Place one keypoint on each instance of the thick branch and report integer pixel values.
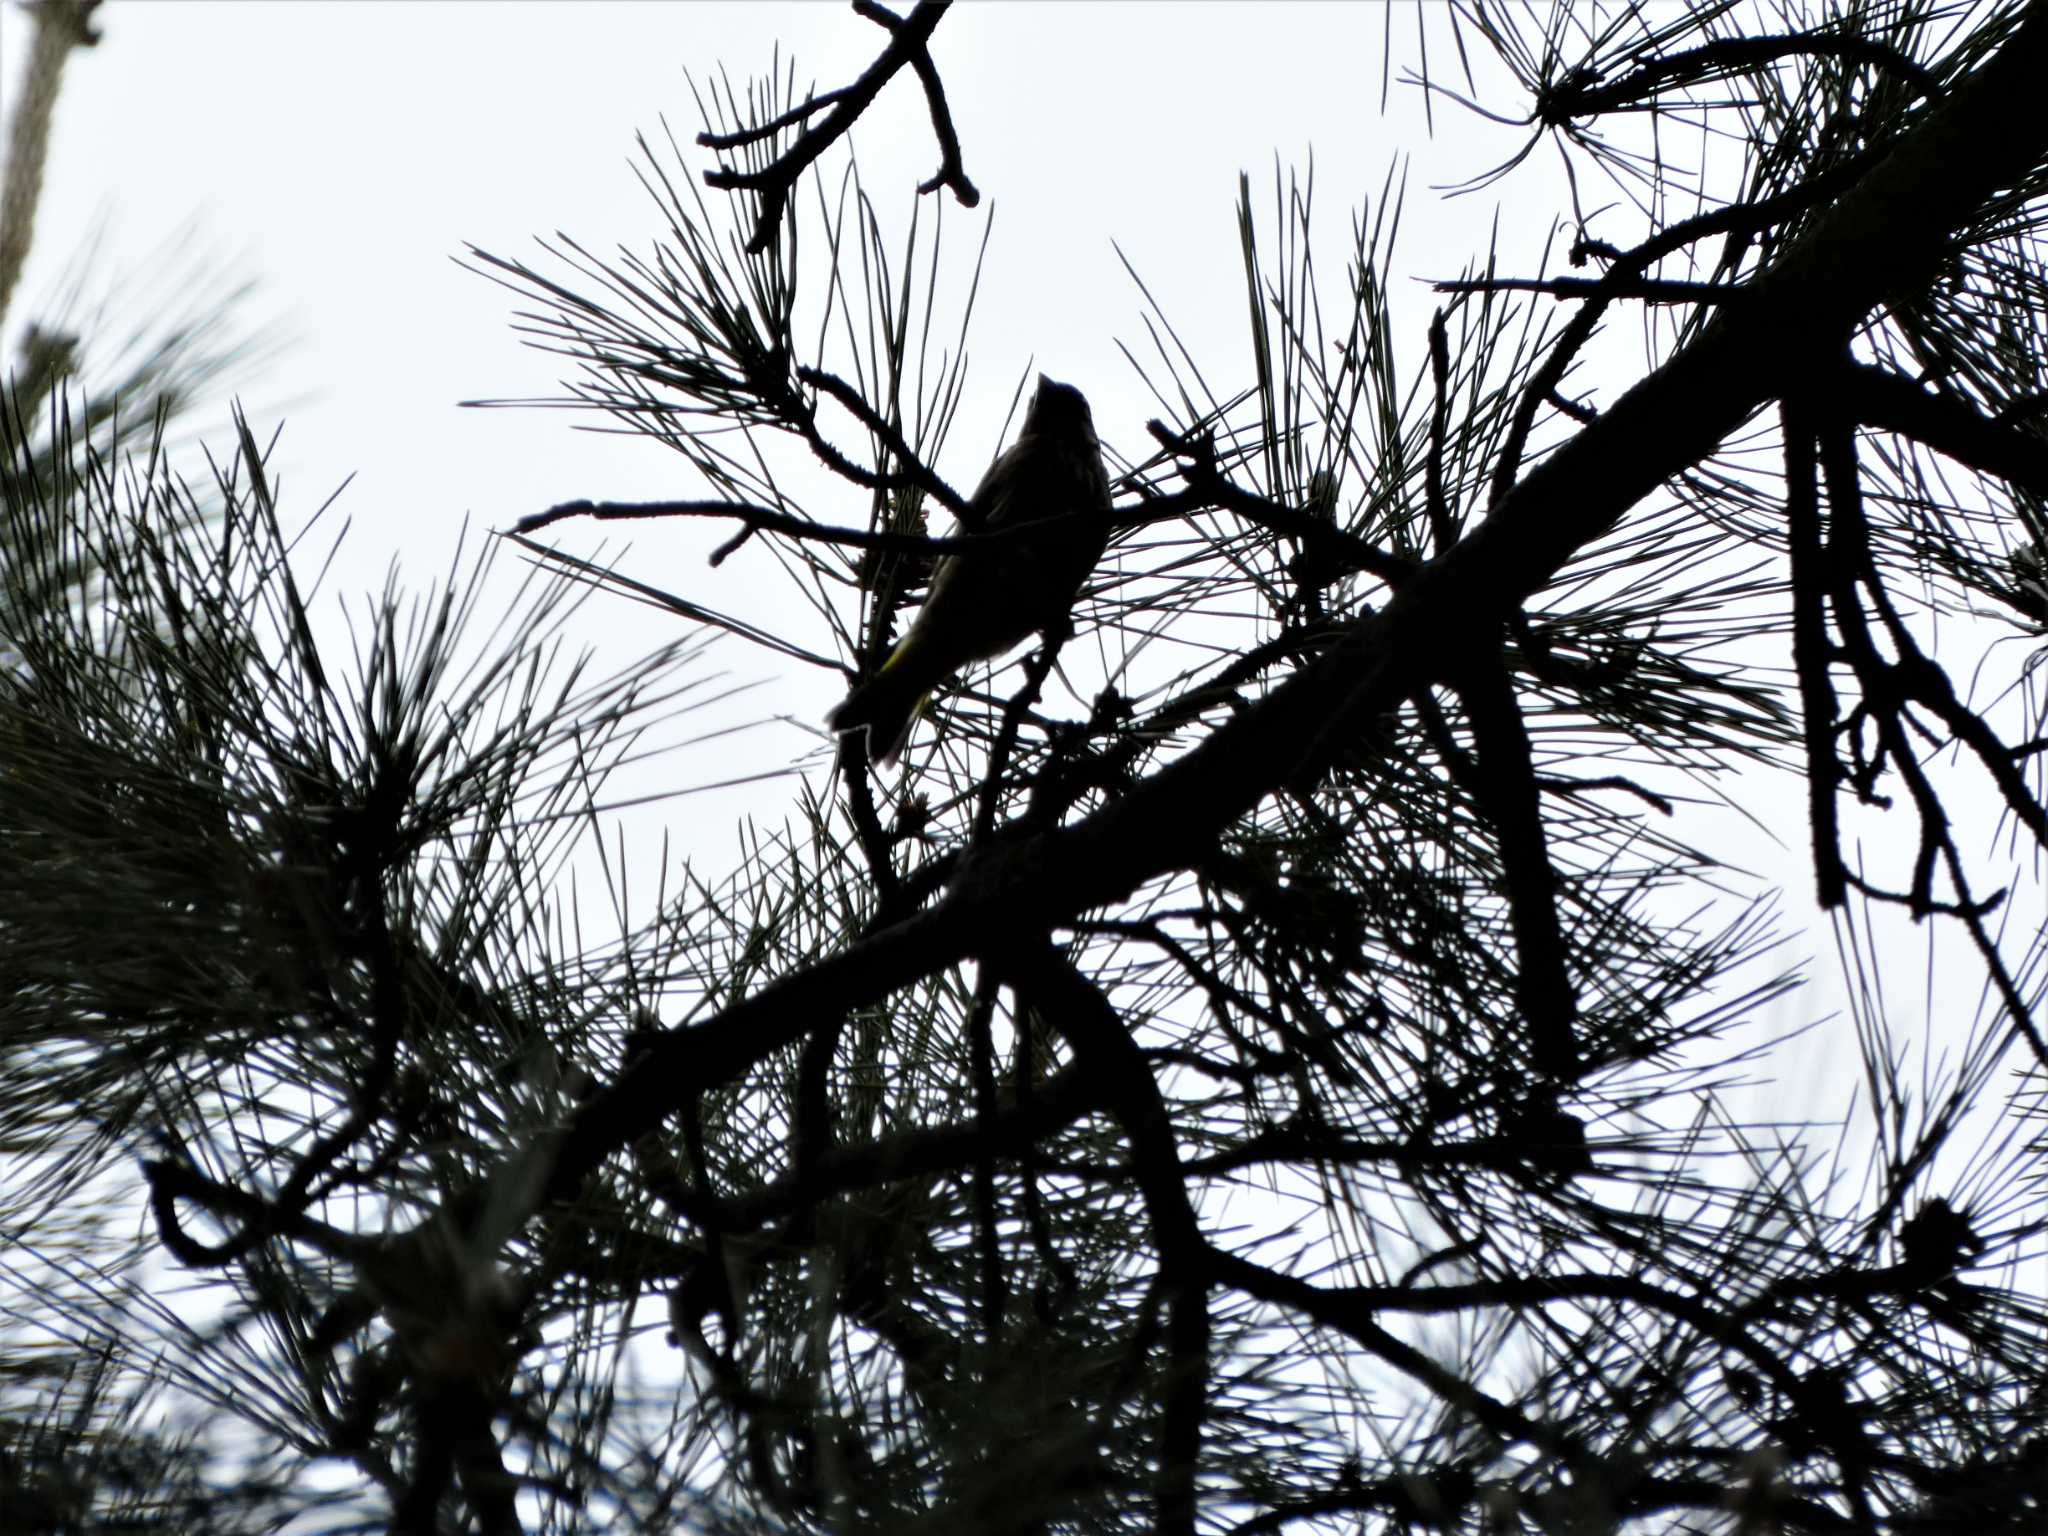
(1877, 397)
(1883, 237)
(1812, 655)
(1629, 266)
(1653, 290)
(1103, 1047)
(1580, 96)
(1504, 783)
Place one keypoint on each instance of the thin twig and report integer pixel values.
(908, 39)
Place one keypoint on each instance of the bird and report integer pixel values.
(983, 602)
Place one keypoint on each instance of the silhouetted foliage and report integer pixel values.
(1274, 1057)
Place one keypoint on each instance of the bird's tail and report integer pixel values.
(886, 706)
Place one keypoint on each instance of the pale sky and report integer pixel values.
(342, 153)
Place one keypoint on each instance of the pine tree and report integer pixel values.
(1273, 1057)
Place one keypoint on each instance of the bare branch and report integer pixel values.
(909, 41)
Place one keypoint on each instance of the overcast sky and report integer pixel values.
(341, 154)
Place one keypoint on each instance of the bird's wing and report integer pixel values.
(1004, 493)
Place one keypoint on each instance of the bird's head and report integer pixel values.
(1058, 408)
